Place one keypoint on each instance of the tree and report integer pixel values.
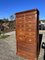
(12, 17)
(5, 19)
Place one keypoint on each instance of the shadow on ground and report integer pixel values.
(40, 39)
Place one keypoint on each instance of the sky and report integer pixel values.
(10, 7)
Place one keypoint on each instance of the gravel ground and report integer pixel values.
(8, 48)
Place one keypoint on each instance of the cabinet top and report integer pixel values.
(33, 10)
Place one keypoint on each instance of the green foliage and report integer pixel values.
(42, 20)
(0, 33)
(4, 36)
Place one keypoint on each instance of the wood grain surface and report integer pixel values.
(27, 36)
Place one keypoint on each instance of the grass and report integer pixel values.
(4, 36)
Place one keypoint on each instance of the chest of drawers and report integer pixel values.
(27, 37)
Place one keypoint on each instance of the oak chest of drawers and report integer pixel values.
(27, 37)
